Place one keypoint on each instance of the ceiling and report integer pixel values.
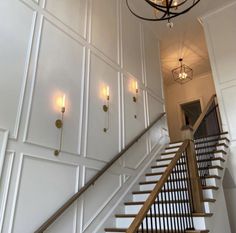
(185, 40)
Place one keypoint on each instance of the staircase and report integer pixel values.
(211, 153)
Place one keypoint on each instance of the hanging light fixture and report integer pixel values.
(165, 9)
(183, 73)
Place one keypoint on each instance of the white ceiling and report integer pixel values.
(185, 39)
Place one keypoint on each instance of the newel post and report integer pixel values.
(196, 188)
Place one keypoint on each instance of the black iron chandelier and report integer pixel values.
(183, 73)
(165, 9)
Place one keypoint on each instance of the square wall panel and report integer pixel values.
(136, 154)
(228, 94)
(152, 62)
(104, 30)
(155, 108)
(44, 186)
(16, 23)
(102, 145)
(133, 111)
(98, 195)
(131, 41)
(59, 72)
(71, 12)
(223, 42)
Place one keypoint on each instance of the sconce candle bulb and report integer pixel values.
(59, 122)
(63, 104)
(108, 92)
(106, 107)
(136, 87)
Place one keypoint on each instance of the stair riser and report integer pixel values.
(214, 162)
(213, 143)
(175, 144)
(165, 208)
(171, 150)
(209, 182)
(216, 155)
(151, 186)
(152, 178)
(208, 193)
(216, 138)
(134, 209)
(213, 148)
(199, 222)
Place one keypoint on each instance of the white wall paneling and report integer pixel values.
(72, 47)
(104, 189)
(155, 107)
(131, 43)
(105, 27)
(5, 179)
(103, 145)
(3, 144)
(221, 34)
(70, 12)
(136, 154)
(133, 126)
(230, 108)
(35, 177)
(152, 62)
(17, 23)
(59, 71)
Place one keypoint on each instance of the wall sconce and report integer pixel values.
(106, 107)
(59, 123)
(135, 97)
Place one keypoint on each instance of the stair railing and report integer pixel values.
(91, 182)
(208, 126)
(170, 205)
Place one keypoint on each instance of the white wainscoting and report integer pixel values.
(72, 47)
(221, 34)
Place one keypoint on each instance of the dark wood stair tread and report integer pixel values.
(166, 215)
(155, 181)
(212, 145)
(175, 190)
(203, 153)
(212, 140)
(167, 201)
(150, 231)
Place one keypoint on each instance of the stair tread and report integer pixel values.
(213, 145)
(168, 190)
(201, 168)
(211, 152)
(155, 181)
(212, 140)
(167, 201)
(166, 215)
(159, 231)
(200, 160)
(214, 135)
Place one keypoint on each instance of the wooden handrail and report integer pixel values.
(157, 189)
(203, 114)
(91, 182)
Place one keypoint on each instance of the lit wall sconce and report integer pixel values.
(135, 97)
(106, 108)
(59, 123)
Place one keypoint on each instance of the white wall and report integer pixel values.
(73, 47)
(220, 33)
(200, 88)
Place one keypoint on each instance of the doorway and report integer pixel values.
(190, 112)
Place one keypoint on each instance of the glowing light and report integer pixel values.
(136, 87)
(63, 102)
(183, 75)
